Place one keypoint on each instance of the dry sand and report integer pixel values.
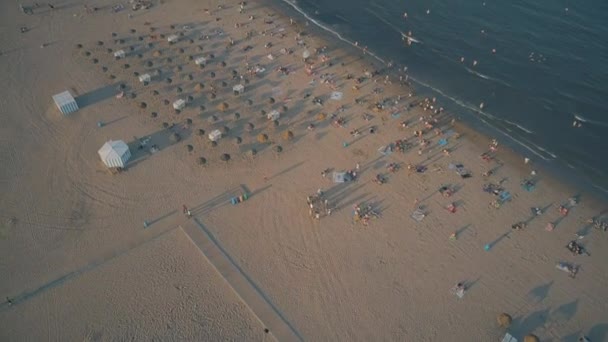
(77, 263)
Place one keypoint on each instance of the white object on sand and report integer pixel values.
(200, 61)
(120, 54)
(238, 89)
(114, 153)
(173, 38)
(215, 135)
(508, 338)
(274, 115)
(145, 78)
(179, 104)
(336, 95)
(65, 102)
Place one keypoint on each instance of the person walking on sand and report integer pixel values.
(9, 301)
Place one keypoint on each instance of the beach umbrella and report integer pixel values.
(238, 140)
(253, 152)
(287, 135)
(531, 338)
(278, 149)
(305, 54)
(262, 138)
(225, 129)
(249, 127)
(225, 157)
(201, 132)
(222, 106)
(504, 320)
(202, 161)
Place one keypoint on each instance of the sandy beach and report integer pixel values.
(91, 255)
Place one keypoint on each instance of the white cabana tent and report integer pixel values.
(238, 89)
(115, 153)
(65, 102)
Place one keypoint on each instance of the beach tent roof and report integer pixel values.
(113, 148)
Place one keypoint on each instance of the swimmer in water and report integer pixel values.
(481, 105)
(493, 50)
(461, 59)
(474, 63)
(404, 15)
(428, 11)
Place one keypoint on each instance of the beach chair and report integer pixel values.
(442, 142)
(457, 291)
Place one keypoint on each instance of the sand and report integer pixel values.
(264, 263)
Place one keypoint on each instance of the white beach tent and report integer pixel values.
(65, 102)
(115, 153)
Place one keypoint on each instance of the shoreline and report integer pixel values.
(561, 173)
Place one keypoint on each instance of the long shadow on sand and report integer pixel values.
(97, 95)
(250, 281)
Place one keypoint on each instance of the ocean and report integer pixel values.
(536, 65)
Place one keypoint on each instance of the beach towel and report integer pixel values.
(508, 338)
(528, 185)
(443, 142)
(418, 215)
(336, 95)
(504, 196)
(396, 115)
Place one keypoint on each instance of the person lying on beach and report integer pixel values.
(575, 248)
(518, 226)
(379, 179)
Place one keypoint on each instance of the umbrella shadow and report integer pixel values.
(540, 292)
(528, 324)
(566, 311)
